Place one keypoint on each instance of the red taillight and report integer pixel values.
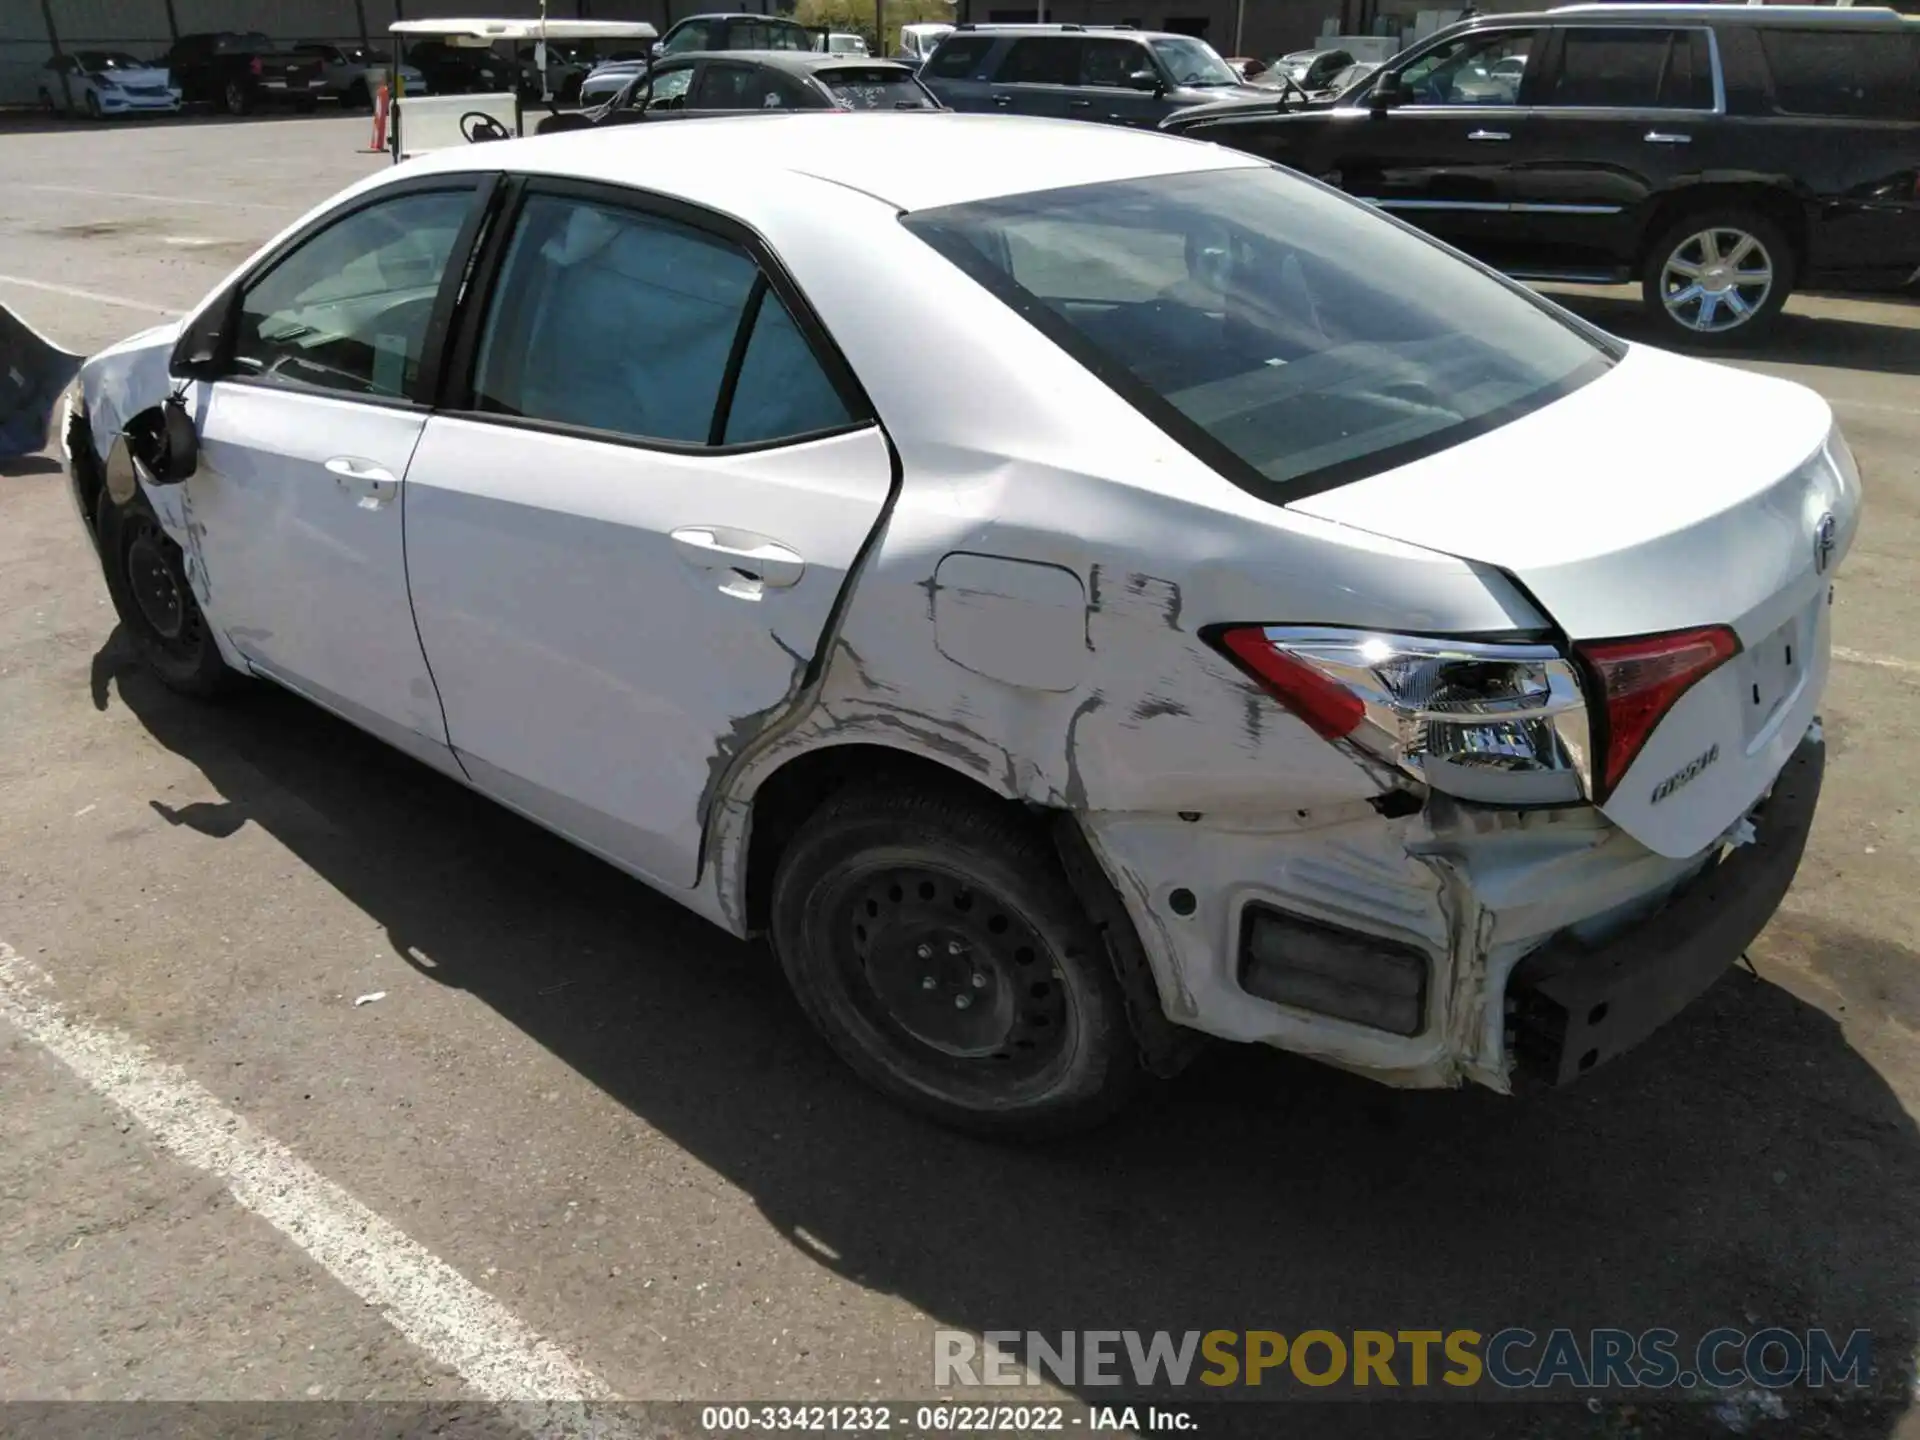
(1330, 708)
(255, 66)
(1642, 679)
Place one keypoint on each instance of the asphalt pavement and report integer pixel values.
(584, 1145)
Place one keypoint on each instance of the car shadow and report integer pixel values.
(1745, 1167)
(1890, 347)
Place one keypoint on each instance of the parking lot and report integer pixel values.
(604, 1132)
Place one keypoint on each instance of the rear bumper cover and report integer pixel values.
(1577, 1006)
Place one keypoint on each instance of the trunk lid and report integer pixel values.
(1666, 495)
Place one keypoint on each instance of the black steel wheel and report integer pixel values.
(147, 580)
(937, 946)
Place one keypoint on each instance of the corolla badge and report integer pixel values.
(1680, 777)
(1825, 530)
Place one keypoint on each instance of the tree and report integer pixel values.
(857, 17)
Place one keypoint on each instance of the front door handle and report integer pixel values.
(1662, 137)
(369, 484)
(1003, 99)
(1080, 104)
(1488, 135)
(742, 557)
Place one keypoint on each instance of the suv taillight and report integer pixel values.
(1641, 679)
(255, 66)
(1493, 722)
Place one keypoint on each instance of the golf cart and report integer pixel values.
(433, 122)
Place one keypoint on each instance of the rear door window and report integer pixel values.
(1621, 69)
(728, 87)
(956, 59)
(1851, 75)
(611, 320)
(1038, 60)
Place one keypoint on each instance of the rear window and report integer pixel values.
(958, 55)
(1633, 69)
(1853, 75)
(1290, 337)
(876, 89)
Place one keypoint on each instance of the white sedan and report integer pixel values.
(99, 83)
(1078, 592)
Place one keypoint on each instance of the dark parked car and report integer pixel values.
(462, 69)
(735, 32)
(240, 71)
(732, 81)
(1076, 72)
(1721, 155)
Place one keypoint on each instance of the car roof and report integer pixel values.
(957, 158)
(806, 61)
(1021, 30)
(736, 15)
(1834, 16)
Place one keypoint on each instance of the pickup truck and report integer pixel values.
(239, 71)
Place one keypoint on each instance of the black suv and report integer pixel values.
(1719, 154)
(1080, 72)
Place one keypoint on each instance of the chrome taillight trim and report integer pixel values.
(1553, 716)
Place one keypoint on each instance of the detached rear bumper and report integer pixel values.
(1577, 1006)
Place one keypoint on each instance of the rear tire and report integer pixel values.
(46, 103)
(147, 581)
(94, 111)
(1717, 277)
(357, 97)
(238, 100)
(934, 942)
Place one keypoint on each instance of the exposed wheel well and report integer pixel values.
(1776, 204)
(795, 791)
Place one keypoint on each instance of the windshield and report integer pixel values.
(877, 89)
(1192, 62)
(1284, 333)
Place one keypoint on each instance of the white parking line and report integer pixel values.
(421, 1296)
(98, 297)
(162, 199)
(1885, 662)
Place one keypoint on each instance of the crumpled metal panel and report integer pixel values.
(34, 374)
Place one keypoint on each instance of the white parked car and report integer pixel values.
(840, 43)
(917, 42)
(99, 83)
(1301, 636)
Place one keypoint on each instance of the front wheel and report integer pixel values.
(147, 581)
(935, 943)
(1717, 278)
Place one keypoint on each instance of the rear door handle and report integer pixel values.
(1081, 104)
(1488, 135)
(1662, 137)
(1003, 99)
(369, 484)
(742, 556)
